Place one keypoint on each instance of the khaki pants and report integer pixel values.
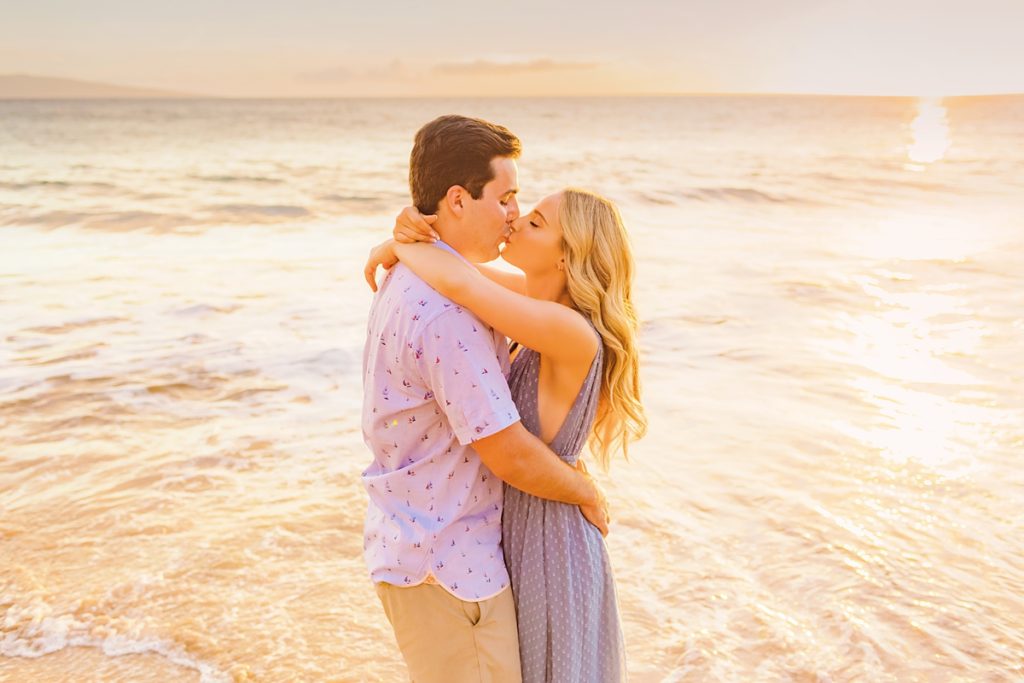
(448, 640)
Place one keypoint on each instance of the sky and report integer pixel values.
(320, 48)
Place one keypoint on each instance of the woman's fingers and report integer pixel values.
(417, 232)
(381, 255)
(426, 226)
(413, 216)
(408, 235)
(406, 232)
(370, 273)
(414, 226)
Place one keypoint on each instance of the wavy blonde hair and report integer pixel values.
(599, 270)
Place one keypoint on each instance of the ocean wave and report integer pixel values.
(101, 220)
(116, 221)
(228, 178)
(659, 198)
(257, 211)
(868, 183)
(725, 193)
(741, 194)
(37, 630)
(350, 198)
(72, 325)
(200, 310)
(57, 184)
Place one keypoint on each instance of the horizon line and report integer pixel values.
(149, 92)
(752, 93)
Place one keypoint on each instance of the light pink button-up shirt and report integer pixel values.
(434, 381)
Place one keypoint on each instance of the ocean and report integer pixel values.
(832, 300)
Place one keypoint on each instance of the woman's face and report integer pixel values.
(534, 244)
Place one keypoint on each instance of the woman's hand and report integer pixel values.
(412, 226)
(381, 255)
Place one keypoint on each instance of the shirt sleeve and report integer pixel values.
(457, 361)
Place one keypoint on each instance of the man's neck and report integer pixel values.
(451, 236)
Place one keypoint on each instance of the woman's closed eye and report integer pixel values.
(534, 224)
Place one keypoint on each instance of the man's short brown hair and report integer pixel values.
(456, 150)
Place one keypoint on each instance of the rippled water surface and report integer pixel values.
(832, 293)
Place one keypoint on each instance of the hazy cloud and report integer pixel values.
(336, 75)
(483, 67)
(393, 71)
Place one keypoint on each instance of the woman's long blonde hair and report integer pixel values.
(599, 269)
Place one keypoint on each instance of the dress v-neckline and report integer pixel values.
(535, 391)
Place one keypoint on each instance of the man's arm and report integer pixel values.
(456, 358)
(521, 459)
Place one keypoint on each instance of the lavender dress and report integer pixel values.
(561, 577)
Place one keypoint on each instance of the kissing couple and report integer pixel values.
(484, 532)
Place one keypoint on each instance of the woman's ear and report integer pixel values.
(561, 264)
(455, 198)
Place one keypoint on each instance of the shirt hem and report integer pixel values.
(441, 584)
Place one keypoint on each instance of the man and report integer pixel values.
(440, 421)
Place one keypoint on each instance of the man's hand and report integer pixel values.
(412, 226)
(597, 514)
(381, 255)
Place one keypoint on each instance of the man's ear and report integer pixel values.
(455, 199)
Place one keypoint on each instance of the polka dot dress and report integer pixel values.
(561, 578)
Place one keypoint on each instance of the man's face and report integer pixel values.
(488, 218)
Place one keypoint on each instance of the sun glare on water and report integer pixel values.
(930, 131)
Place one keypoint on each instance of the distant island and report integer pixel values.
(24, 87)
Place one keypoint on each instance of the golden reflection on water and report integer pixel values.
(919, 426)
(930, 131)
(913, 388)
(923, 235)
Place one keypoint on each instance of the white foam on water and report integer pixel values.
(32, 633)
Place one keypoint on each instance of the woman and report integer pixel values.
(575, 382)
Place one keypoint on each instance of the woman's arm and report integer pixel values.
(384, 255)
(411, 226)
(547, 327)
(514, 281)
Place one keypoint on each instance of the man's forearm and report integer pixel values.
(527, 464)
